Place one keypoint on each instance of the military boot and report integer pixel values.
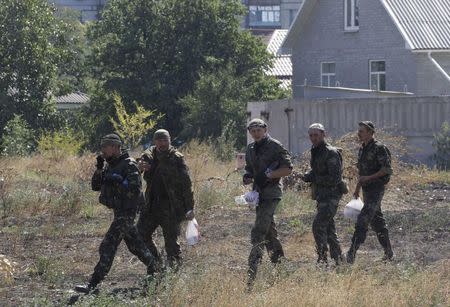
(351, 254)
(91, 287)
(383, 238)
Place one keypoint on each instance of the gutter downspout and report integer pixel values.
(439, 67)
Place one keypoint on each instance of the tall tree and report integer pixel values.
(31, 41)
(154, 52)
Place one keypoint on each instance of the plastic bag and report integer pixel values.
(192, 232)
(353, 209)
(250, 198)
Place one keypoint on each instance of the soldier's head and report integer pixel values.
(161, 138)
(366, 130)
(316, 134)
(111, 146)
(257, 129)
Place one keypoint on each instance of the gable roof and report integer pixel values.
(73, 98)
(282, 64)
(424, 24)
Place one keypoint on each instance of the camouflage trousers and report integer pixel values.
(122, 227)
(324, 230)
(264, 234)
(371, 215)
(149, 221)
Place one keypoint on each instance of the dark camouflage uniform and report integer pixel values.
(168, 198)
(326, 177)
(123, 199)
(259, 157)
(372, 158)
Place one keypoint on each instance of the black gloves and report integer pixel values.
(100, 162)
(247, 179)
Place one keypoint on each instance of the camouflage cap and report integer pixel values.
(368, 124)
(256, 123)
(111, 139)
(161, 134)
(316, 126)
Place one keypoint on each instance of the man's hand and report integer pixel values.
(144, 166)
(190, 215)
(247, 179)
(100, 162)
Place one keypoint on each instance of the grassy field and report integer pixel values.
(51, 226)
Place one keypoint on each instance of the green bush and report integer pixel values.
(441, 143)
(60, 143)
(17, 138)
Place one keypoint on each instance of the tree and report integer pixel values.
(133, 127)
(17, 138)
(217, 106)
(154, 52)
(31, 46)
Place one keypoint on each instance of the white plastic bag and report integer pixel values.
(353, 209)
(240, 200)
(252, 198)
(192, 233)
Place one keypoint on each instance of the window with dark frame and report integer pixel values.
(377, 75)
(351, 15)
(328, 74)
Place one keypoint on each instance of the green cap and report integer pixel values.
(256, 123)
(368, 124)
(111, 139)
(161, 134)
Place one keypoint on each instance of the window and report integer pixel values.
(351, 15)
(377, 75)
(268, 15)
(328, 74)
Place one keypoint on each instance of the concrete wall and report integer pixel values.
(323, 39)
(416, 118)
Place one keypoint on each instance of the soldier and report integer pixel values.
(169, 197)
(266, 162)
(374, 166)
(327, 189)
(119, 183)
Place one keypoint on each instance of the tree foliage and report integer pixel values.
(132, 127)
(17, 139)
(155, 52)
(441, 143)
(31, 46)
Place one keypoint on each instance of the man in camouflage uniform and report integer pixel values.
(266, 162)
(327, 189)
(119, 183)
(374, 166)
(169, 197)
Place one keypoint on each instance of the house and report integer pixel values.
(266, 15)
(71, 101)
(364, 48)
(282, 66)
(89, 9)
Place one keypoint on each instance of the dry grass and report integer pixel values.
(55, 225)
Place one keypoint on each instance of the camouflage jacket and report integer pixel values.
(262, 155)
(372, 158)
(122, 194)
(326, 172)
(168, 177)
